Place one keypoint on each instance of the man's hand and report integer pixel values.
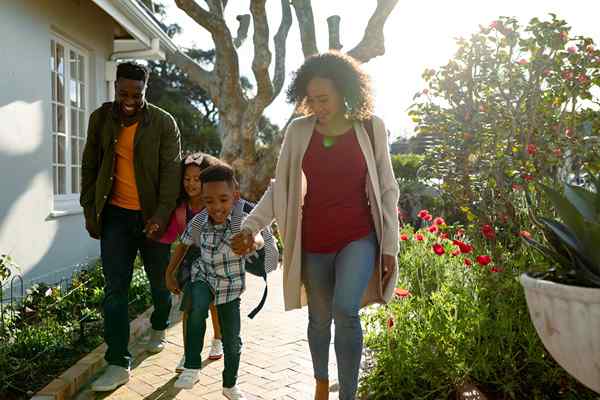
(172, 284)
(243, 243)
(388, 266)
(153, 229)
(92, 231)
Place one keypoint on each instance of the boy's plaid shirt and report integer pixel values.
(218, 265)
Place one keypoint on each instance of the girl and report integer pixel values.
(190, 204)
(334, 198)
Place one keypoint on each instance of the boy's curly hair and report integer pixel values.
(351, 82)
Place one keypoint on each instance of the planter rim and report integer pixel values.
(553, 289)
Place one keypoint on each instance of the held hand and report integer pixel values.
(172, 283)
(152, 228)
(388, 266)
(91, 231)
(243, 243)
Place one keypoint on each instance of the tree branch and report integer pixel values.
(242, 32)
(372, 43)
(279, 41)
(262, 56)
(216, 7)
(205, 79)
(306, 24)
(204, 18)
(333, 23)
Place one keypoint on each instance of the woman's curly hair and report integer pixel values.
(348, 78)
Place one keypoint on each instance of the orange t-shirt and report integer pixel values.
(124, 191)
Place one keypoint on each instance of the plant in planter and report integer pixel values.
(564, 301)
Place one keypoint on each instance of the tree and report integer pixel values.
(239, 113)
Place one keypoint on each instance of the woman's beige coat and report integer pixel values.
(284, 198)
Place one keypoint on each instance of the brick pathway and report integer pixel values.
(275, 360)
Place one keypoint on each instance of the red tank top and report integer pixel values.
(336, 210)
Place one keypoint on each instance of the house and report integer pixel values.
(57, 64)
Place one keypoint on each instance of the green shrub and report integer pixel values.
(460, 324)
(406, 166)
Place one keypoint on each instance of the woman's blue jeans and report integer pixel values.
(335, 284)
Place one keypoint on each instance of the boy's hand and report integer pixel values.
(243, 243)
(172, 283)
(153, 229)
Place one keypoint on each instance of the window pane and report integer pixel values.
(73, 131)
(82, 132)
(60, 59)
(74, 151)
(54, 150)
(60, 118)
(81, 95)
(81, 68)
(55, 179)
(73, 92)
(53, 79)
(61, 149)
(52, 55)
(60, 87)
(53, 117)
(75, 180)
(62, 180)
(73, 60)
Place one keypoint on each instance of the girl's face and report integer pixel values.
(323, 100)
(191, 180)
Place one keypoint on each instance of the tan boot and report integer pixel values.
(322, 389)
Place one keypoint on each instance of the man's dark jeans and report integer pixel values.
(120, 241)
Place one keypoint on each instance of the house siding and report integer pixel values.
(45, 247)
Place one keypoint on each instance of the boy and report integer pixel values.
(217, 275)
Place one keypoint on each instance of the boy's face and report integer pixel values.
(218, 198)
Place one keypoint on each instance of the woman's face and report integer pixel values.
(323, 100)
(191, 180)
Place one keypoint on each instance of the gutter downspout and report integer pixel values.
(152, 53)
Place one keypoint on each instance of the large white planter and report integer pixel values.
(567, 319)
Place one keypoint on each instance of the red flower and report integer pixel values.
(528, 177)
(468, 262)
(428, 218)
(460, 232)
(568, 74)
(456, 252)
(569, 133)
(488, 231)
(438, 249)
(564, 36)
(523, 61)
(483, 260)
(404, 237)
(572, 49)
(557, 152)
(531, 149)
(439, 221)
(419, 237)
(443, 235)
(495, 24)
(390, 323)
(496, 269)
(422, 214)
(525, 234)
(517, 187)
(583, 79)
(463, 247)
(401, 293)
(433, 229)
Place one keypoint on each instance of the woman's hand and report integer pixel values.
(172, 284)
(388, 265)
(243, 243)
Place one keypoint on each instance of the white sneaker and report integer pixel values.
(113, 377)
(187, 379)
(233, 393)
(180, 367)
(216, 350)
(156, 343)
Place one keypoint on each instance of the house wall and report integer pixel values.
(46, 247)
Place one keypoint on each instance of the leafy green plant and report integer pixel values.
(571, 243)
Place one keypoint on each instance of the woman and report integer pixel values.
(334, 198)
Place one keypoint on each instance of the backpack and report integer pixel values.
(265, 261)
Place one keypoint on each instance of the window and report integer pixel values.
(69, 118)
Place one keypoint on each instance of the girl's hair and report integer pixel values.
(351, 82)
(200, 160)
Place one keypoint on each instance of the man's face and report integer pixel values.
(129, 95)
(219, 198)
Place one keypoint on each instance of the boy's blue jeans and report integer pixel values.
(335, 284)
(229, 318)
(120, 241)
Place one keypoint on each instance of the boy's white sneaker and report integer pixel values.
(187, 379)
(156, 343)
(113, 377)
(233, 393)
(180, 367)
(216, 350)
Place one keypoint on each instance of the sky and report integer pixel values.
(418, 35)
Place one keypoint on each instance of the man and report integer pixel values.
(129, 185)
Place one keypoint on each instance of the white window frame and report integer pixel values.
(68, 203)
